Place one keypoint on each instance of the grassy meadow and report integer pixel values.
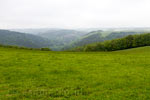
(47, 75)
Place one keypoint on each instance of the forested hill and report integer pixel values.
(130, 41)
(62, 37)
(99, 36)
(22, 39)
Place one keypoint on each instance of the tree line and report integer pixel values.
(26, 48)
(130, 41)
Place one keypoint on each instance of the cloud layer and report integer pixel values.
(74, 13)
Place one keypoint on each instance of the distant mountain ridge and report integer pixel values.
(100, 36)
(59, 37)
(62, 37)
(21, 39)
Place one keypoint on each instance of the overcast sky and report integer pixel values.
(74, 13)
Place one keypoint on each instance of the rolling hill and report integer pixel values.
(90, 38)
(22, 39)
(130, 41)
(100, 36)
(62, 37)
(59, 37)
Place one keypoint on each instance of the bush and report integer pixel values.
(45, 49)
(26, 48)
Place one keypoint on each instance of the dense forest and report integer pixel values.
(130, 41)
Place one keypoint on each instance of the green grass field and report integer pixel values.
(43, 75)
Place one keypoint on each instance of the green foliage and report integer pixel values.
(130, 41)
(18, 47)
(38, 75)
(45, 49)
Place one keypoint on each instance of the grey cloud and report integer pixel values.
(73, 13)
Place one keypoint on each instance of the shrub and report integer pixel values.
(45, 49)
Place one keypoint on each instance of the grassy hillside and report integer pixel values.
(37, 75)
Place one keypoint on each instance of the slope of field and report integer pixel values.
(37, 75)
